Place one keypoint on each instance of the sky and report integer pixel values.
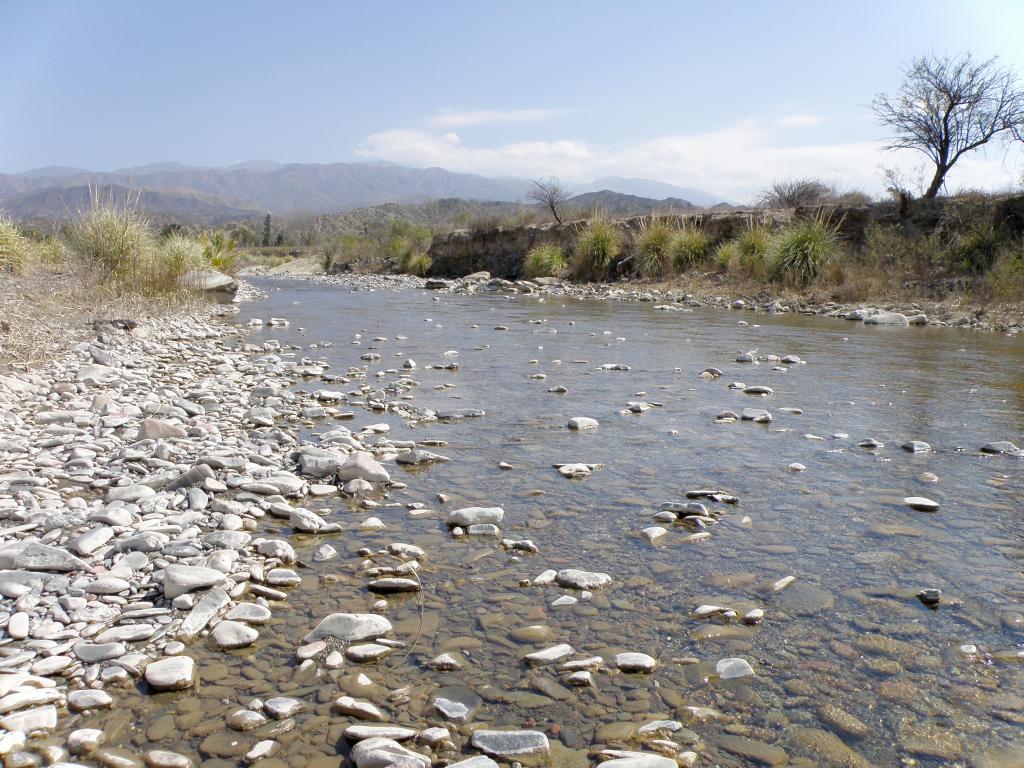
(719, 96)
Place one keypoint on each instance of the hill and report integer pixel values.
(266, 186)
(618, 204)
(163, 205)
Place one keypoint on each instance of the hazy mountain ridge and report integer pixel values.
(165, 205)
(266, 186)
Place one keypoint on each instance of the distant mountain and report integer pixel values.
(618, 204)
(148, 170)
(268, 186)
(163, 205)
(655, 190)
(291, 188)
(52, 172)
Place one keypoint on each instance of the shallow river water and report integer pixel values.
(851, 668)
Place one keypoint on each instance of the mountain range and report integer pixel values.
(213, 194)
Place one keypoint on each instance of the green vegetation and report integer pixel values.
(416, 263)
(689, 247)
(1005, 281)
(182, 253)
(114, 239)
(220, 251)
(652, 246)
(14, 247)
(597, 247)
(800, 251)
(544, 261)
(747, 256)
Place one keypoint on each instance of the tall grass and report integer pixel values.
(1005, 280)
(800, 251)
(544, 261)
(180, 253)
(597, 247)
(748, 255)
(416, 263)
(652, 246)
(116, 239)
(15, 248)
(116, 242)
(688, 247)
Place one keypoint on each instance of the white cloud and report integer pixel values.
(450, 118)
(736, 161)
(799, 121)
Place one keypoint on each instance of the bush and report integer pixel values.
(726, 255)
(15, 248)
(1005, 281)
(597, 247)
(544, 261)
(748, 256)
(975, 250)
(652, 246)
(794, 193)
(219, 250)
(689, 247)
(801, 250)
(416, 264)
(180, 253)
(115, 239)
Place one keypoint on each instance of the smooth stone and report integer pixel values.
(580, 423)
(921, 504)
(173, 673)
(250, 613)
(87, 698)
(475, 516)
(731, 668)
(180, 579)
(511, 743)
(233, 634)
(349, 627)
(576, 579)
(635, 662)
(380, 752)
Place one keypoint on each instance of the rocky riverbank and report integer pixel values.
(139, 471)
(172, 494)
(951, 313)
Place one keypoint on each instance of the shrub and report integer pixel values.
(597, 247)
(416, 263)
(688, 247)
(115, 239)
(180, 253)
(544, 261)
(801, 250)
(726, 255)
(652, 246)
(15, 248)
(976, 249)
(794, 193)
(219, 250)
(1005, 281)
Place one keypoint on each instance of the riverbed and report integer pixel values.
(852, 664)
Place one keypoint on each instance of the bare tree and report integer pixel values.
(549, 193)
(949, 106)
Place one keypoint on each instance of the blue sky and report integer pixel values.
(722, 96)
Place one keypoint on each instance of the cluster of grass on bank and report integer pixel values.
(108, 261)
(806, 254)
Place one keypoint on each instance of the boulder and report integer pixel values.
(209, 281)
